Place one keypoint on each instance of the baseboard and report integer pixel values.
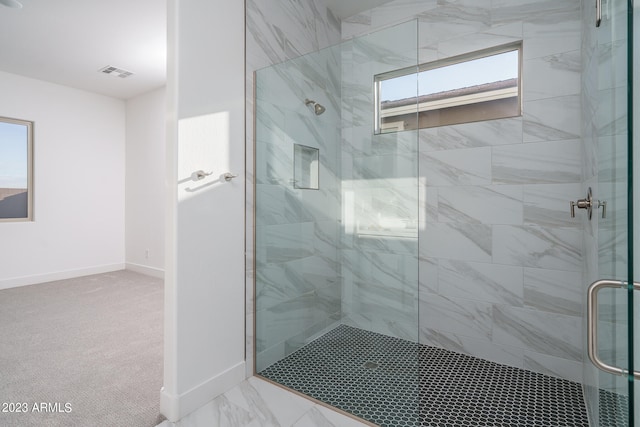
(176, 407)
(59, 275)
(145, 269)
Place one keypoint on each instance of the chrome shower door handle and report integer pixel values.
(229, 176)
(592, 325)
(598, 13)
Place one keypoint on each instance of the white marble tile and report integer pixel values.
(555, 366)
(279, 205)
(356, 24)
(430, 200)
(391, 244)
(428, 273)
(400, 11)
(269, 117)
(295, 315)
(457, 167)
(612, 163)
(450, 20)
(467, 242)
(385, 171)
(297, 342)
(547, 205)
(551, 76)
(472, 135)
(532, 246)
(489, 38)
(473, 346)
(405, 143)
(277, 283)
(319, 416)
(554, 291)
(538, 163)
(285, 30)
(500, 284)
(553, 32)
(611, 116)
(378, 316)
(547, 333)
(552, 119)
(498, 204)
(326, 238)
(456, 315)
(285, 406)
(285, 242)
(385, 50)
(252, 403)
(504, 11)
(612, 70)
(612, 251)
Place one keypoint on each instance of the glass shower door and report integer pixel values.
(610, 389)
(336, 230)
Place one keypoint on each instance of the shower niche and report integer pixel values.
(306, 172)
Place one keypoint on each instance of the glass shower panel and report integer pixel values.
(297, 134)
(336, 234)
(379, 190)
(609, 397)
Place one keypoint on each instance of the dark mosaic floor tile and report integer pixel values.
(393, 382)
(613, 409)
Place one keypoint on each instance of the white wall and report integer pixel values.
(79, 156)
(204, 274)
(145, 182)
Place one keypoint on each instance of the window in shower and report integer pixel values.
(479, 86)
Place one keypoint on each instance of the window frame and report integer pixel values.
(30, 131)
(440, 63)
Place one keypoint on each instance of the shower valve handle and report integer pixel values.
(588, 203)
(581, 204)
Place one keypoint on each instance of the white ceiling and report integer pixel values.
(68, 41)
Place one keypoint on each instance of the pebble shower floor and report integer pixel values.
(396, 383)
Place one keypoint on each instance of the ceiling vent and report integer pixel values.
(116, 72)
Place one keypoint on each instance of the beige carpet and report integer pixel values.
(92, 343)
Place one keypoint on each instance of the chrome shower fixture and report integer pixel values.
(317, 108)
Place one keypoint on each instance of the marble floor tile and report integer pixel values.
(258, 403)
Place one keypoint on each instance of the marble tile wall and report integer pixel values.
(501, 264)
(296, 230)
(500, 260)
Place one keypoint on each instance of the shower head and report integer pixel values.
(317, 108)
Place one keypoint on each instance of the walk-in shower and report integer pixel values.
(416, 261)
